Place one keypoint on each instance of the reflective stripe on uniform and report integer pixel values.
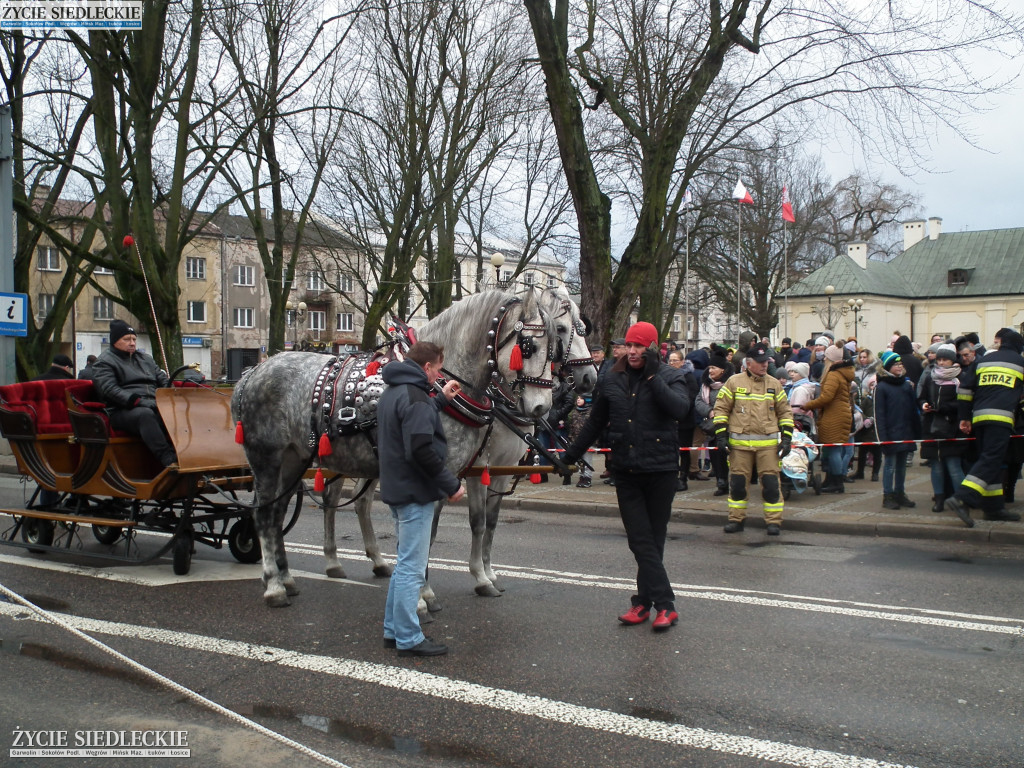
(737, 503)
(977, 484)
(997, 415)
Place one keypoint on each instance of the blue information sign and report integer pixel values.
(13, 314)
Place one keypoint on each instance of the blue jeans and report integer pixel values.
(894, 473)
(951, 467)
(412, 529)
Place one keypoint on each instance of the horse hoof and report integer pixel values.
(291, 590)
(425, 617)
(487, 590)
(336, 572)
(277, 600)
(383, 571)
(434, 605)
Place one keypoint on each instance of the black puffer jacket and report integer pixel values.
(120, 378)
(641, 416)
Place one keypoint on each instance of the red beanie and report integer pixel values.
(642, 333)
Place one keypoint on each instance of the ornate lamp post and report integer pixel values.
(296, 314)
(856, 306)
(830, 315)
(497, 261)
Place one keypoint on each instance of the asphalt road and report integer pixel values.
(809, 650)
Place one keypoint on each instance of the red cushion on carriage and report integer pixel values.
(46, 401)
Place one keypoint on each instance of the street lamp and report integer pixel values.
(856, 306)
(297, 312)
(830, 315)
(498, 261)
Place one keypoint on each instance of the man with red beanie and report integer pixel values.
(641, 403)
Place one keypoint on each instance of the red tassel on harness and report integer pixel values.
(318, 481)
(535, 478)
(372, 367)
(239, 435)
(485, 476)
(324, 449)
(515, 361)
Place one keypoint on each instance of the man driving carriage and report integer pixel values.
(127, 379)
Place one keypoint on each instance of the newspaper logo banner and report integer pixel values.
(95, 743)
(71, 14)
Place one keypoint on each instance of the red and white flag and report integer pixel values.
(741, 195)
(787, 207)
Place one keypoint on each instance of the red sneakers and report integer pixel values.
(664, 620)
(636, 615)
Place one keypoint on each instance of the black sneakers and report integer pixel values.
(426, 648)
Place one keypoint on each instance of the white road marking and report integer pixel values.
(157, 575)
(513, 702)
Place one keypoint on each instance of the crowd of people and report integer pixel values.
(866, 415)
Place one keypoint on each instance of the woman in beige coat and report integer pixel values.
(835, 421)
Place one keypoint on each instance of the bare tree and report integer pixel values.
(685, 79)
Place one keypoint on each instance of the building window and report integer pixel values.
(506, 276)
(315, 282)
(195, 268)
(197, 311)
(103, 271)
(245, 275)
(102, 308)
(675, 323)
(48, 258)
(345, 282)
(318, 320)
(345, 322)
(552, 281)
(529, 279)
(957, 277)
(243, 317)
(44, 305)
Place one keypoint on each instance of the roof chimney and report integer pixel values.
(858, 252)
(934, 227)
(913, 233)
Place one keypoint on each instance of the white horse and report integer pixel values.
(497, 446)
(286, 404)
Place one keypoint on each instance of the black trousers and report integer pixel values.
(146, 423)
(982, 488)
(645, 505)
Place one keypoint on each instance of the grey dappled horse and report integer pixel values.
(274, 404)
(503, 447)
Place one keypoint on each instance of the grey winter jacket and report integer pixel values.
(125, 380)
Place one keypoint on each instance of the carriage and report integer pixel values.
(89, 476)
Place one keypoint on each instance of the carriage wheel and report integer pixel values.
(243, 542)
(182, 554)
(106, 534)
(36, 531)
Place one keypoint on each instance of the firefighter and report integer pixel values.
(750, 413)
(987, 403)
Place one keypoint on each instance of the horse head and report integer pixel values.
(517, 339)
(573, 360)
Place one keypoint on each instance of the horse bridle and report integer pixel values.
(576, 326)
(499, 388)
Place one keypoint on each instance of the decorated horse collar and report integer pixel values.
(575, 327)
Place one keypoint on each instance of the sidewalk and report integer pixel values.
(856, 512)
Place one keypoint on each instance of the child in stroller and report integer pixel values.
(798, 468)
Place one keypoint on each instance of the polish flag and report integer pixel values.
(741, 195)
(787, 207)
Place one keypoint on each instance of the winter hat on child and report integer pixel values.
(822, 341)
(803, 369)
(889, 359)
(718, 360)
(834, 354)
(945, 352)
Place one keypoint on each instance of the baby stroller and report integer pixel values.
(799, 469)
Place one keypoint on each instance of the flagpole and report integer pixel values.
(739, 265)
(686, 285)
(785, 275)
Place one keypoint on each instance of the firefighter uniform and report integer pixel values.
(988, 398)
(753, 411)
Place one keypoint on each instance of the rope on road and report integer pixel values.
(196, 697)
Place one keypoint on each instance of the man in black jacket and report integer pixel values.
(413, 476)
(60, 368)
(127, 379)
(641, 403)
